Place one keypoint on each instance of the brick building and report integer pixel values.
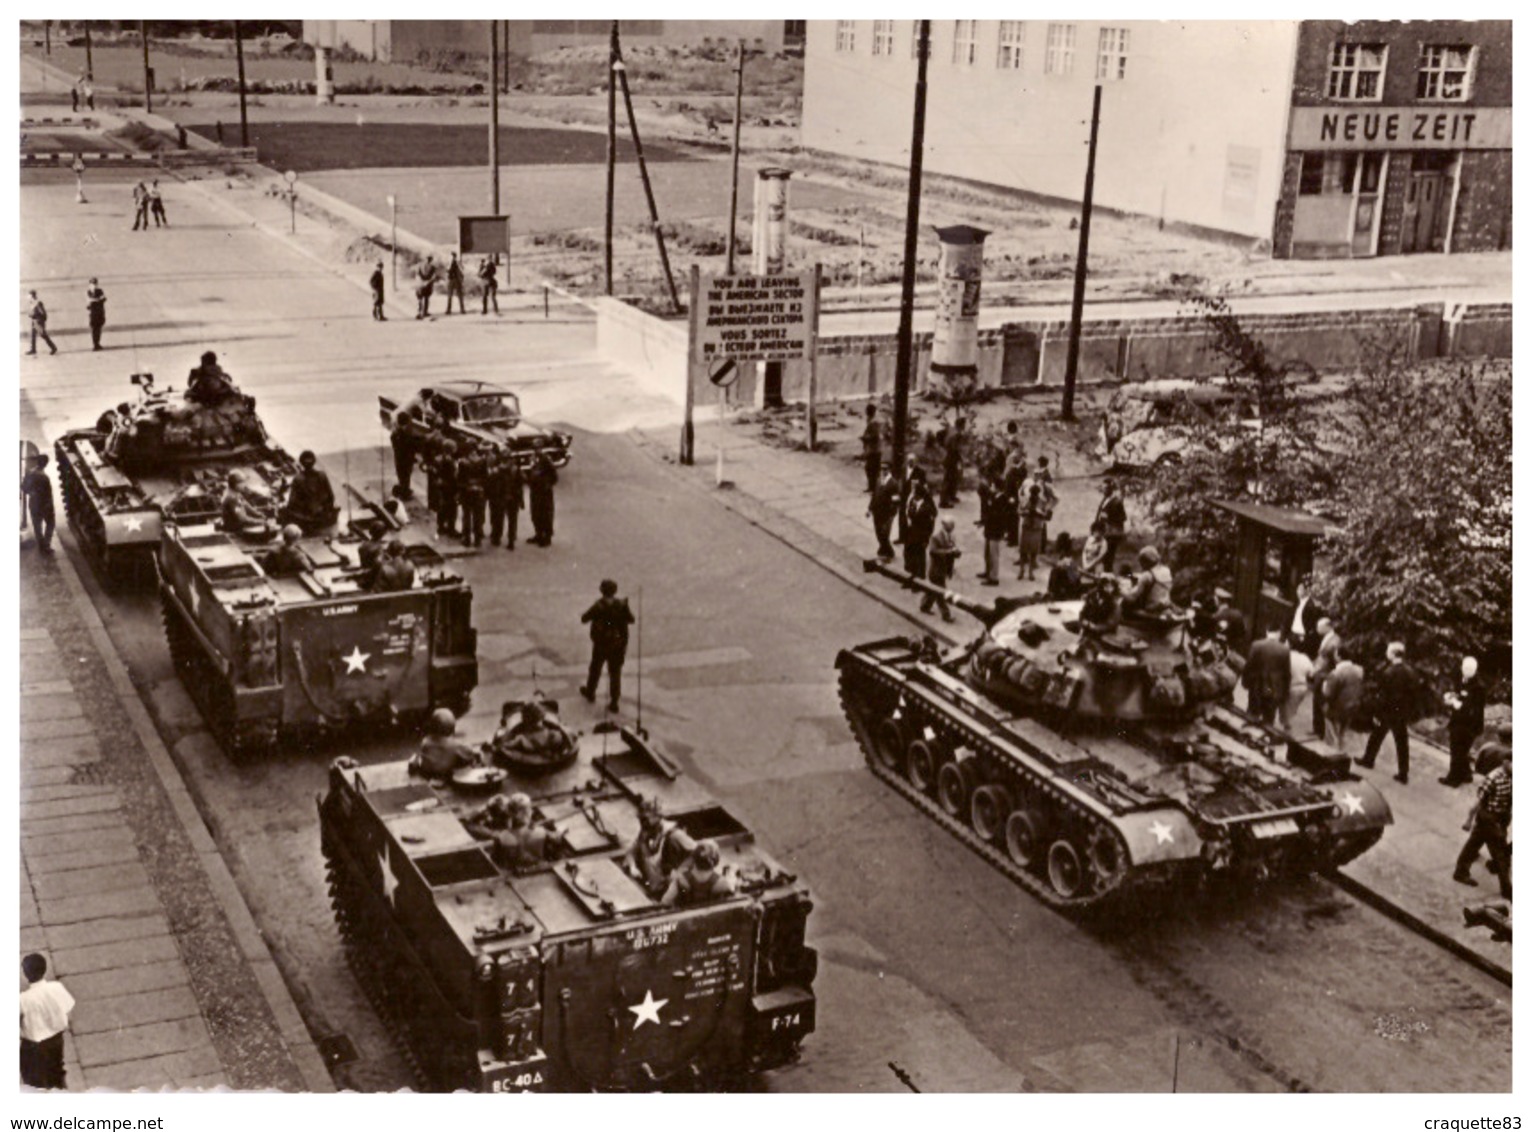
(1323, 138)
(1399, 139)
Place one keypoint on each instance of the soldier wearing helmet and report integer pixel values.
(442, 753)
(310, 497)
(659, 849)
(1150, 595)
(289, 558)
(491, 819)
(208, 384)
(528, 734)
(240, 513)
(701, 879)
(396, 573)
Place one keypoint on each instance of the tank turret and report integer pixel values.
(168, 428)
(1088, 752)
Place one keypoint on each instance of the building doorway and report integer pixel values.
(1426, 198)
(1339, 205)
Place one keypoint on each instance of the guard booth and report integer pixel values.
(1273, 551)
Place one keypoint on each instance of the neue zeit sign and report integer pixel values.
(764, 318)
(1431, 127)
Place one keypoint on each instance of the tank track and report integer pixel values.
(120, 569)
(393, 981)
(211, 693)
(863, 689)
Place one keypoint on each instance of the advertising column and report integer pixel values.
(955, 343)
(769, 249)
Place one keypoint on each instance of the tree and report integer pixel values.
(1424, 553)
(1266, 450)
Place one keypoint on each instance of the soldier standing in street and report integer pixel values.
(444, 473)
(95, 311)
(489, 283)
(505, 497)
(472, 476)
(404, 443)
(541, 478)
(608, 619)
(39, 316)
(37, 487)
(377, 293)
(455, 285)
(425, 276)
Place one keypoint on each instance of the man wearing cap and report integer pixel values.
(608, 619)
(660, 848)
(310, 497)
(1399, 691)
(376, 283)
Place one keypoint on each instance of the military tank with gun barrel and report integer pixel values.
(539, 959)
(1090, 754)
(161, 459)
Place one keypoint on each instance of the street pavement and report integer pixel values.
(949, 975)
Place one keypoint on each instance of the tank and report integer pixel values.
(565, 975)
(165, 459)
(1094, 759)
(267, 653)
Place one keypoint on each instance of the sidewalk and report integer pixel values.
(121, 886)
(817, 505)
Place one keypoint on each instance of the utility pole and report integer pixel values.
(494, 120)
(505, 57)
(239, 60)
(611, 148)
(143, 34)
(739, 98)
(643, 173)
(48, 37)
(911, 236)
(1077, 308)
(90, 61)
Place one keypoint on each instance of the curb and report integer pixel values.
(300, 1045)
(794, 536)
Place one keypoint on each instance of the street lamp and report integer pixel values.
(393, 237)
(292, 200)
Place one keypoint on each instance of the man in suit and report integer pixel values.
(1466, 703)
(1325, 660)
(1303, 631)
(1268, 675)
(1400, 692)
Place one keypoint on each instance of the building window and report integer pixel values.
(965, 41)
(1356, 71)
(845, 35)
(883, 37)
(1013, 37)
(1446, 72)
(1060, 57)
(1112, 53)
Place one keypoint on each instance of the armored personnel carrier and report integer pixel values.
(1089, 757)
(566, 974)
(165, 457)
(266, 652)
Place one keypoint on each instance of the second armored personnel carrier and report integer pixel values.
(1091, 758)
(265, 652)
(564, 972)
(164, 458)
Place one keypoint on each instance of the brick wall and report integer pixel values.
(1483, 222)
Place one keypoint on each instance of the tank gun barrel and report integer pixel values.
(987, 613)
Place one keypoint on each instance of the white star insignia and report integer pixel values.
(133, 523)
(1352, 803)
(391, 882)
(356, 660)
(1162, 833)
(648, 1010)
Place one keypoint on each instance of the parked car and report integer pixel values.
(1154, 422)
(488, 413)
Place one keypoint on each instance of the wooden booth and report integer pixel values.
(1274, 550)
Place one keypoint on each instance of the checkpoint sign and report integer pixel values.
(762, 318)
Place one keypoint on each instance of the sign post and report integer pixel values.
(749, 318)
(393, 237)
(292, 201)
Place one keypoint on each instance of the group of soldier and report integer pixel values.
(467, 481)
